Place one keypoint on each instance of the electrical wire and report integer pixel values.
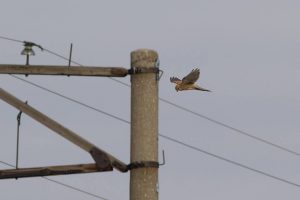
(229, 161)
(64, 184)
(74, 62)
(11, 39)
(70, 99)
(7, 164)
(236, 130)
(177, 141)
(172, 139)
(60, 56)
(230, 127)
(75, 188)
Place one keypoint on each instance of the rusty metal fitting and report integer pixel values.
(140, 70)
(143, 164)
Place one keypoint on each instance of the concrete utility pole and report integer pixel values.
(144, 126)
(144, 123)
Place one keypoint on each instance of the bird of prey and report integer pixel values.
(188, 82)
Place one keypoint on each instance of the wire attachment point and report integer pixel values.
(160, 74)
(164, 160)
(18, 136)
(143, 164)
(141, 70)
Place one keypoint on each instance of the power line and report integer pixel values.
(7, 164)
(60, 56)
(63, 184)
(75, 188)
(239, 131)
(190, 147)
(229, 161)
(74, 62)
(70, 99)
(121, 82)
(11, 39)
(230, 127)
(173, 139)
(177, 141)
(236, 130)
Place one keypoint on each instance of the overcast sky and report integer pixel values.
(248, 54)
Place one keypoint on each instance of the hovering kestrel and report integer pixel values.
(188, 82)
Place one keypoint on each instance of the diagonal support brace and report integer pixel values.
(63, 131)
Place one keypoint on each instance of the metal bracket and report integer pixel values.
(143, 164)
(141, 70)
(159, 75)
(103, 162)
(164, 159)
(19, 118)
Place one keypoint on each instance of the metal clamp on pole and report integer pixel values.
(143, 164)
(141, 70)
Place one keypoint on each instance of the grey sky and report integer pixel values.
(248, 54)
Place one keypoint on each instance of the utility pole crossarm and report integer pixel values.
(50, 171)
(63, 70)
(103, 159)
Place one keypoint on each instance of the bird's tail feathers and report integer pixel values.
(202, 89)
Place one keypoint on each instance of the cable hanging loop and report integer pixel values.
(18, 137)
(19, 118)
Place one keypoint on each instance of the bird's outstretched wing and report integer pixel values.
(175, 80)
(192, 77)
